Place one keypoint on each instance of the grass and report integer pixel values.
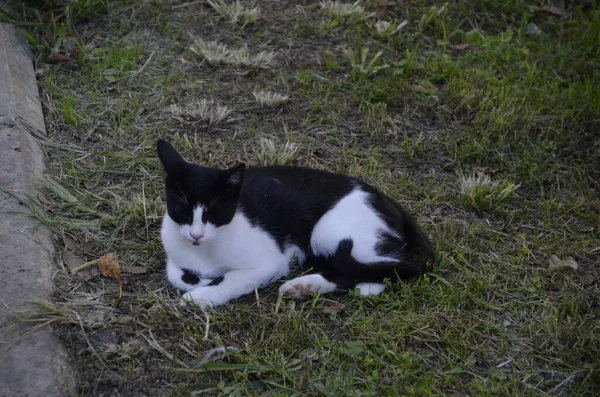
(203, 110)
(481, 194)
(462, 88)
(269, 99)
(235, 12)
(270, 153)
(216, 53)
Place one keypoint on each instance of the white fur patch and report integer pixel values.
(245, 255)
(352, 217)
(303, 285)
(367, 289)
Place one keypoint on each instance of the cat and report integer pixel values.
(227, 232)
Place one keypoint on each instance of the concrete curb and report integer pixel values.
(31, 364)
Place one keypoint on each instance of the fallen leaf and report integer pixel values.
(333, 308)
(109, 266)
(555, 263)
(247, 161)
(59, 57)
(71, 260)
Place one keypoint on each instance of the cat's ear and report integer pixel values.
(170, 159)
(233, 178)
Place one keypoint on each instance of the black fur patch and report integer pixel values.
(189, 277)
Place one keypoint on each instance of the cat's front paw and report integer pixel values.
(203, 297)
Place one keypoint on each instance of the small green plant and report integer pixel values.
(325, 26)
(412, 146)
(481, 194)
(375, 117)
(235, 13)
(216, 53)
(362, 64)
(433, 13)
(386, 30)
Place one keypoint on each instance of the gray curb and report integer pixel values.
(35, 363)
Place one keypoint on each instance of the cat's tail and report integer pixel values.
(415, 257)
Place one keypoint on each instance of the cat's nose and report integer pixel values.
(196, 236)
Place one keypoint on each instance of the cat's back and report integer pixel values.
(297, 186)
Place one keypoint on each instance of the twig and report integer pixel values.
(140, 70)
(158, 347)
(85, 265)
(207, 317)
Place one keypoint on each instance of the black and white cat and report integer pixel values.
(227, 232)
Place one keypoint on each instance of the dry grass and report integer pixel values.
(216, 53)
(270, 153)
(480, 193)
(269, 99)
(349, 11)
(203, 110)
(235, 13)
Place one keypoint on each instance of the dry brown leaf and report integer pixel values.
(59, 57)
(332, 308)
(555, 263)
(109, 266)
(246, 161)
(482, 169)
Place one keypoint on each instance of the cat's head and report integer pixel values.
(199, 199)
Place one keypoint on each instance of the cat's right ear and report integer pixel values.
(170, 159)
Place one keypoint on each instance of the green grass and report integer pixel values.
(462, 88)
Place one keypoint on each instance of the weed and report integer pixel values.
(386, 30)
(432, 13)
(269, 153)
(203, 110)
(235, 13)
(362, 64)
(349, 12)
(481, 194)
(216, 53)
(269, 99)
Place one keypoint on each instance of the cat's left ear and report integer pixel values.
(170, 159)
(233, 178)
